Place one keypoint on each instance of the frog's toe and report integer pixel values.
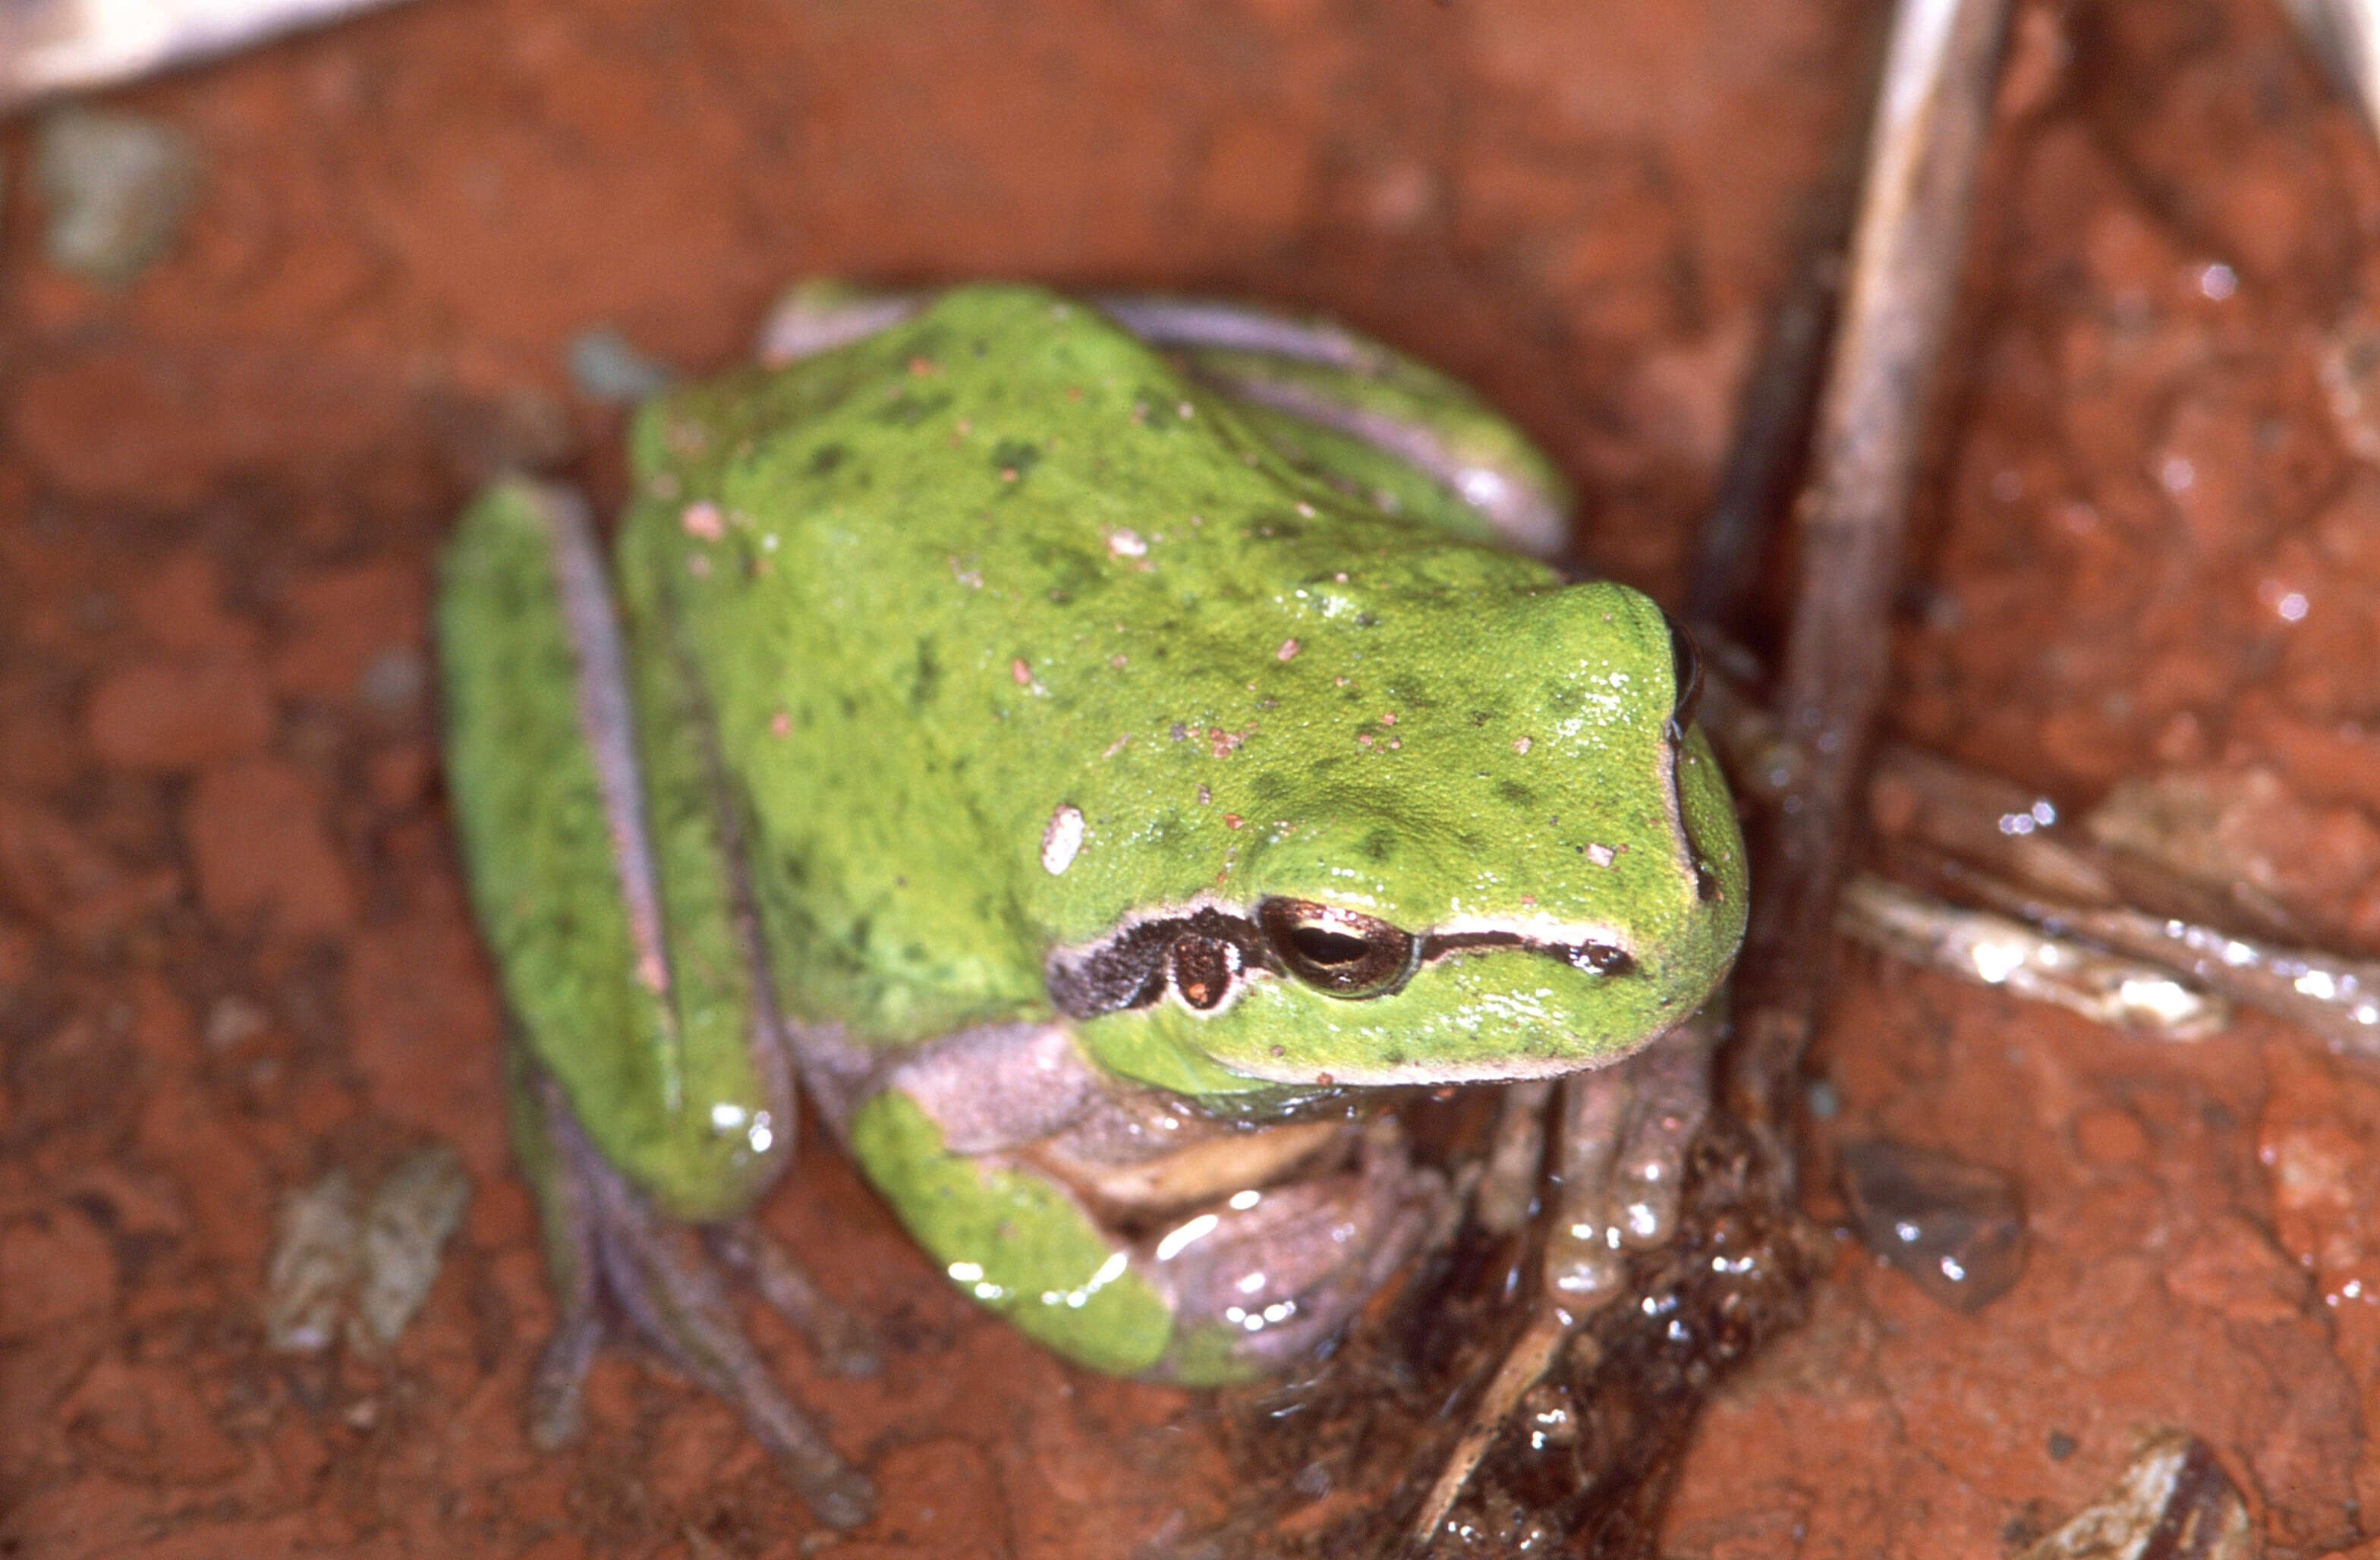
(1281, 1274)
(620, 1266)
(557, 1391)
(845, 1345)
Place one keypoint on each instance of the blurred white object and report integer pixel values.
(50, 46)
(2345, 35)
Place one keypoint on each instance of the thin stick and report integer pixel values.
(1932, 113)
(49, 46)
(2345, 35)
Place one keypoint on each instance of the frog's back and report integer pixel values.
(1009, 629)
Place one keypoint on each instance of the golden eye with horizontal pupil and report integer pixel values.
(1337, 950)
(1203, 969)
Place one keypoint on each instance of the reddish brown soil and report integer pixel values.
(220, 801)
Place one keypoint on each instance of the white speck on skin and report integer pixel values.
(1288, 650)
(1601, 855)
(703, 522)
(1522, 746)
(1126, 544)
(1063, 840)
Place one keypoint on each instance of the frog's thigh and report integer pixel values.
(1222, 1253)
(1366, 417)
(1014, 1238)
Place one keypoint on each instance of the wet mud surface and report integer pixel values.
(233, 951)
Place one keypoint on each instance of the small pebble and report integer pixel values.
(116, 187)
(413, 1213)
(1956, 1230)
(313, 1266)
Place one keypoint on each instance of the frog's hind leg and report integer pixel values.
(1368, 420)
(618, 1265)
(1624, 1132)
(652, 1097)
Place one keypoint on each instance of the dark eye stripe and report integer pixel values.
(1202, 955)
(1597, 958)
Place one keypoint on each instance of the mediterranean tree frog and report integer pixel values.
(1095, 750)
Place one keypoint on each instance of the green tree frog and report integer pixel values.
(1097, 751)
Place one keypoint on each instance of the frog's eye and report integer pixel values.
(1337, 950)
(1685, 675)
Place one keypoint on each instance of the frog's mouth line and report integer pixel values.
(1206, 953)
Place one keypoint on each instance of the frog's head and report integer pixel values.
(1535, 870)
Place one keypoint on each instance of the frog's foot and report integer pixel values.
(617, 1264)
(1286, 1269)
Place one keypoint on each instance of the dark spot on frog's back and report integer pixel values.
(926, 682)
(1157, 410)
(1519, 795)
(1013, 460)
(1379, 845)
(907, 409)
(826, 457)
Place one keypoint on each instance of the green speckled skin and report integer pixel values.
(903, 604)
(1001, 558)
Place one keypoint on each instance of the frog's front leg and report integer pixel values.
(1626, 1131)
(1119, 1224)
(1623, 1134)
(652, 1097)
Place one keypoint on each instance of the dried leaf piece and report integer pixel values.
(316, 1252)
(2173, 1501)
(117, 187)
(414, 1211)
